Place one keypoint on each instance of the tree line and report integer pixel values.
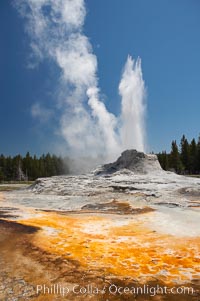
(183, 158)
(29, 168)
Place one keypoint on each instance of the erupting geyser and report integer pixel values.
(132, 91)
(56, 32)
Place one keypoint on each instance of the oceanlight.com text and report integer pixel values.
(112, 289)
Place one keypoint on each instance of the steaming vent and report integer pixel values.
(134, 161)
(56, 32)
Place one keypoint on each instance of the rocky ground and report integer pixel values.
(126, 224)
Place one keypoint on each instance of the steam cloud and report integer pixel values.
(56, 32)
(132, 91)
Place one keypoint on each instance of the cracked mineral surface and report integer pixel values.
(127, 223)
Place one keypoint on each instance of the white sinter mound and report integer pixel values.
(135, 176)
(135, 179)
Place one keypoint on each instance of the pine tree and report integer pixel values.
(185, 154)
(163, 160)
(2, 168)
(175, 162)
(193, 157)
(27, 165)
(198, 155)
(1, 175)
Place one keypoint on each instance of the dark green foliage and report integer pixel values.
(183, 161)
(174, 158)
(164, 160)
(30, 168)
(193, 157)
(185, 153)
(198, 154)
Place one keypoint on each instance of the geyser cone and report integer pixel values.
(137, 162)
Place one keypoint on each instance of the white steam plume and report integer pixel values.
(56, 31)
(132, 91)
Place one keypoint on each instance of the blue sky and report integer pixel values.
(164, 34)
